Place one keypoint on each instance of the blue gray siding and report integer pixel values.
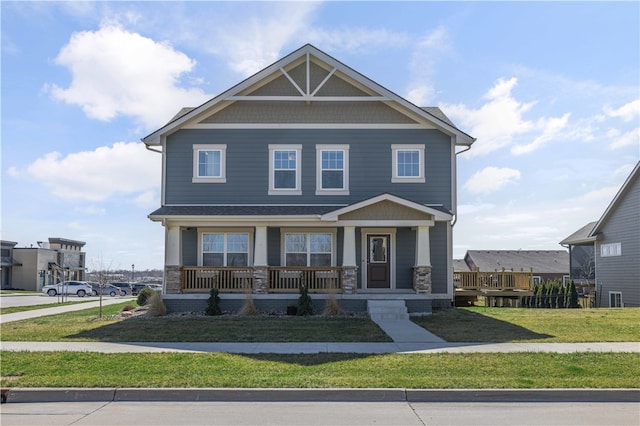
(247, 165)
(405, 257)
(439, 272)
(621, 273)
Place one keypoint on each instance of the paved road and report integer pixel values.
(320, 413)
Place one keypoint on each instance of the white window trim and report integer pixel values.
(249, 231)
(611, 250)
(345, 170)
(621, 302)
(280, 191)
(285, 231)
(536, 280)
(395, 148)
(223, 163)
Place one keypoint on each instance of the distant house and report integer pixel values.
(544, 264)
(612, 245)
(7, 263)
(308, 173)
(57, 260)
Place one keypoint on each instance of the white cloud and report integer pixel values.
(551, 129)
(491, 179)
(253, 40)
(629, 138)
(426, 55)
(496, 122)
(121, 170)
(624, 170)
(116, 72)
(627, 112)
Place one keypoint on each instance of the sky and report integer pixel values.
(551, 91)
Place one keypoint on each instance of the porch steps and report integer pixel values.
(387, 310)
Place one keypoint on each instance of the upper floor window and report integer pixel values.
(611, 249)
(308, 249)
(332, 169)
(285, 169)
(407, 164)
(209, 163)
(225, 249)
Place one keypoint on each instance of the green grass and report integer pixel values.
(84, 326)
(442, 371)
(480, 324)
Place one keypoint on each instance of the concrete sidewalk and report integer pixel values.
(320, 347)
(53, 310)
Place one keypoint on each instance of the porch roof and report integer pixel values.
(244, 210)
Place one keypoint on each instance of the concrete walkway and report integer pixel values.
(53, 310)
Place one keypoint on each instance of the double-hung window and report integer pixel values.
(332, 169)
(308, 249)
(209, 163)
(225, 249)
(407, 164)
(285, 169)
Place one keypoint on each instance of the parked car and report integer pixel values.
(79, 288)
(107, 289)
(125, 287)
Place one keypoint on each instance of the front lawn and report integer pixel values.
(480, 324)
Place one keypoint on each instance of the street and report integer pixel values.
(319, 413)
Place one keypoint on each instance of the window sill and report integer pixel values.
(209, 180)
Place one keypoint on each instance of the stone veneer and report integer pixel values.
(172, 275)
(260, 279)
(349, 279)
(422, 279)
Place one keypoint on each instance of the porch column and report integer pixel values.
(422, 268)
(260, 269)
(172, 260)
(349, 267)
(349, 246)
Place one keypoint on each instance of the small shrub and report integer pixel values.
(248, 308)
(156, 305)
(305, 306)
(572, 300)
(332, 307)
(213, 304)
(144, 294)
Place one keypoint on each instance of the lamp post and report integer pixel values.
(132, 272)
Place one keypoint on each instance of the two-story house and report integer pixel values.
(608, 250)
(308, 173)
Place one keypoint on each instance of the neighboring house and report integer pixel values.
(7, 263)
(614, 241)
(543, 264)
(308, 173)
(59, 259)
(582, 258)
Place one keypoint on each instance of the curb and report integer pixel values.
(25, 395)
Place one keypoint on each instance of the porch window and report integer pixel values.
(284, 169)
(225, 249)
(332, 169)
(209, 163)
(308, 249)
(408, 163)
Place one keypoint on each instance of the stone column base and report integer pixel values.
(172, 276)
(349, 279)
(260, 279)
(422, 279)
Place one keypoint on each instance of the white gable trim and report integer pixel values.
(437, 214)
(305, 53)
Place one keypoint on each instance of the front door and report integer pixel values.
(378, 262)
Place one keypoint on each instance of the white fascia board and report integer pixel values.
(438, 215)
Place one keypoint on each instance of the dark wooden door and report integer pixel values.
(378, 262)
